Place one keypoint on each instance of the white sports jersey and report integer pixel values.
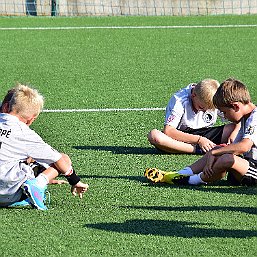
(180, 113)
(17, 143)
(249, 130)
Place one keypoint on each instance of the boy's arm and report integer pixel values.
(204, 143)
(180, 135)
(234, 133)
(64, 167)
(238, 148)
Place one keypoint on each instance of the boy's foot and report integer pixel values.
(156, 175)
(35, 194)
(182, 180)
(23, 203)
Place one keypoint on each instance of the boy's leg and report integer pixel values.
(233, 163)
(35, 188)
(172, 177)
(250, 177)
(214, 134)
(221, 164)
(168, 144)
(246, 176)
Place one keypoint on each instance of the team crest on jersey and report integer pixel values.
(208, 117)
(250, 130)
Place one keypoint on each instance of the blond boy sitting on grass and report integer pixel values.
(17, 143)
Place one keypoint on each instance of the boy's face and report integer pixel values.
(231, 114)
(197, 104)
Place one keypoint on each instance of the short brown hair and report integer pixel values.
(231, 90)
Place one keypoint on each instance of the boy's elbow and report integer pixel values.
(168, 130)
(245, 145)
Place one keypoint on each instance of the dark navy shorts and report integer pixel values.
(214, 133)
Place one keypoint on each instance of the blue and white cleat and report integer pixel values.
(35, 194)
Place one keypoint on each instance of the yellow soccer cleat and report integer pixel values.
(160, 176)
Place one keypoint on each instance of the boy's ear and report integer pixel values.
(5, 108)
(30, 120)
(193, 94)
(236, 106)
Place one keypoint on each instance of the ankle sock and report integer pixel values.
(186, 171)
(42, 180)
(196, 179)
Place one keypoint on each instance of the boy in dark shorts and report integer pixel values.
(239, 159)
(189, 122)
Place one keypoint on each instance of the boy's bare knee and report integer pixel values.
(226, 161)
(153, 136)
(66, 158)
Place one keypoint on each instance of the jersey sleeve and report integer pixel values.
(251, 128)
(174, 112)
(40, 150)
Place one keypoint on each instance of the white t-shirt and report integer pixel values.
(249, 130)
(17, 143)
(180, 113)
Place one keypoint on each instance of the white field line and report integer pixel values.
(105, 110)
(134, 27)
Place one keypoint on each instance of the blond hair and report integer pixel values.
(205, 91)
(26, 101)
(231, 90)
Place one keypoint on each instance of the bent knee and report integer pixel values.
(66, 158)
(154, 136)
(226, 160)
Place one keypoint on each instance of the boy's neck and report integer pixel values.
(249, 108)
(27, 121)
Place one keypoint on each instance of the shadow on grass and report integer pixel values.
(220, 186)
(248, 210)
(135, 178)
(171, 228)
(121, 149)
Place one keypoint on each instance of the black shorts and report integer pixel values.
(249, 179)
(214, 133)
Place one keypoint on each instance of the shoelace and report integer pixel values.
(47, 199)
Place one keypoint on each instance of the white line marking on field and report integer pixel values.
(134, 27)
(106, 110)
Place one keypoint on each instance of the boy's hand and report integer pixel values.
(206, 144)
(58, 181)
(80, 188)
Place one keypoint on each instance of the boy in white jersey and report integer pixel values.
(190, 116)
(17, 143)
(37, 168)
(239, 159)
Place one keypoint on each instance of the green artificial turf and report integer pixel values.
(122, 214)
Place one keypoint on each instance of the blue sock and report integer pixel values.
(186, 171)
(196, 180)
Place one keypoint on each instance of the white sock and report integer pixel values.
(196, 180)
(186, 171)
(42, 180)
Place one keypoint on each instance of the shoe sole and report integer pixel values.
(29, 195)
(17, 205)
(154, 175)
